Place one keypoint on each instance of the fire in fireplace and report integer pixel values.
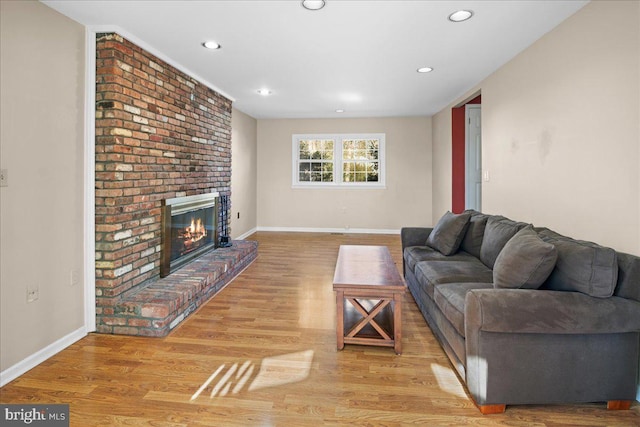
(189, 229)
(189, 238)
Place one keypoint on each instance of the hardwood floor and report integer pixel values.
(269, 338)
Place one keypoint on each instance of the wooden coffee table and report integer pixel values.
(368, 279)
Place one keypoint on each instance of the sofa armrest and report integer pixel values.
(414, 236)
(548, 312)
(555, 347)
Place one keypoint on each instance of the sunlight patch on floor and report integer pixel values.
(274, 371)
(447, 380)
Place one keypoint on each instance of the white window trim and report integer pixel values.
(337, 161)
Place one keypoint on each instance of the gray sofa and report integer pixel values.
(526, 315)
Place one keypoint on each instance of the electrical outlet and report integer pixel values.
(4, 178)
(75, 277)
(32, 294)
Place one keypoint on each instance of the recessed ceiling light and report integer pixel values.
(264, 92)
(424, 70)
(211, 45)
(339, 110)
(461, 15)
(313, 4)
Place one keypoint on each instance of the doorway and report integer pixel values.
(473, 157)
(460, 179)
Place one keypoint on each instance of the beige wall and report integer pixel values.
(41, 145)
(244, 140)
(405, 201)
(560, 130)
(442, 163)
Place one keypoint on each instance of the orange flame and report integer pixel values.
(196, 230)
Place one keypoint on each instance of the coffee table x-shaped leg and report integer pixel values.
(368, 317)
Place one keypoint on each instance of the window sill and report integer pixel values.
(340, 186)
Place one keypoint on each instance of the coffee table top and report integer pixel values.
(366, 267)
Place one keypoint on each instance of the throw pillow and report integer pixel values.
(525, 261)
(448, 233)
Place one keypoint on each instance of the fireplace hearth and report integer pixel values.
(189, 229)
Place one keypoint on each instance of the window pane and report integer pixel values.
(316, 149)
(346, 172)
(304, 150)
(304, 174)
(347, 154)
(372, 172)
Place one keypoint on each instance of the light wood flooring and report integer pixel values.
(263, 353)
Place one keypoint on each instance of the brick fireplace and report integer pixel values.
(160, 135)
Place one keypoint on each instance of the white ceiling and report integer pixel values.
(360, 56)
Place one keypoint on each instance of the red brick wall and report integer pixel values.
(159, 134)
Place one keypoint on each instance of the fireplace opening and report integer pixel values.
(189, 229)
(190, 232)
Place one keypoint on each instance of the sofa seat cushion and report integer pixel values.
(434, 273)
(581, 266)
(416, 254)
(449, 298)
(525, 261)
(498, 231)
(448, 233)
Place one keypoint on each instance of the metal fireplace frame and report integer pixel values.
(181, 205)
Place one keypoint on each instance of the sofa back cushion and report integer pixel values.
(525, 261)
(581, 266)
(472, 240)
(448, 233)
(496, 234)
(628, 276)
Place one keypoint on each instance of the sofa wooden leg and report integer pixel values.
(492, 409)
(619, 404)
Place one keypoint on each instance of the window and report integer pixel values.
(315, 160)
(346, 160)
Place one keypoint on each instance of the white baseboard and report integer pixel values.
(245, 235)
(37, 358)
(330, 230)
